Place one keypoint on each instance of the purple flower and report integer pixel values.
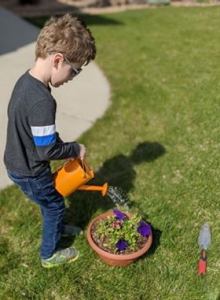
(119, 215)
(144, 229)
(121, 245)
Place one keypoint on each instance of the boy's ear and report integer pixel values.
(57, 59)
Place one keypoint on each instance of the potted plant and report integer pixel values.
(118, 237)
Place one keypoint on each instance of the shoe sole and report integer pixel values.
(49, 266)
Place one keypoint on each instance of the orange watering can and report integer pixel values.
(73, 176)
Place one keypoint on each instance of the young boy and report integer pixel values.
(63, 46)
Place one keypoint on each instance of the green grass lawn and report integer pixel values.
(159, 142)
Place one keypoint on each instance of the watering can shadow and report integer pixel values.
(73, 175)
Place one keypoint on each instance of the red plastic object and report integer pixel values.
(202, 263)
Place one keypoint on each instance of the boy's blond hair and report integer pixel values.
(66, 35)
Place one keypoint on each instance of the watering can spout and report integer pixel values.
(73, 176)
(103, 189)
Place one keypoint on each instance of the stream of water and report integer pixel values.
(118, 197)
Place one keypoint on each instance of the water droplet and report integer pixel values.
(118, 196)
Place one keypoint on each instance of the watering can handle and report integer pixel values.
(83, 167)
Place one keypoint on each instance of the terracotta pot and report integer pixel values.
(111, 259)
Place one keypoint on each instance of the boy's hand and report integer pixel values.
(82, 151)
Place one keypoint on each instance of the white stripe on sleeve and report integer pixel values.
(43, 130)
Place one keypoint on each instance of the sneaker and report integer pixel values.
(60, 257)
(71, 230)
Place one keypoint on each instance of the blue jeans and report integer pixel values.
(41, 190)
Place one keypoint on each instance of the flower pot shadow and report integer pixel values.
(156, 233)
(118, 172)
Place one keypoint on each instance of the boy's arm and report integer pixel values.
(47, 141)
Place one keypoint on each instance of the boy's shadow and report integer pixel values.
(117, 172)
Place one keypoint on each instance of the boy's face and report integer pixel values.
(63, 70)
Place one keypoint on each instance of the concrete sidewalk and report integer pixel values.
(79, 103)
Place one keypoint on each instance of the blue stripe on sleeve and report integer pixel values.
(45, 140)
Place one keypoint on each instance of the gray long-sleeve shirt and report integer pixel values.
(32, 140)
